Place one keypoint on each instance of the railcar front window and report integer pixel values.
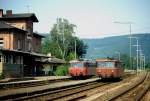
(105, 64)
(76, 64)
(110, 64)
(118, 65)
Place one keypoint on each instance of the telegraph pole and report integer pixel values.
(130, 48)
(140, 58)
(137, 50)
(144, 61)
(130, 41)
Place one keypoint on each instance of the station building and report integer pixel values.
(20, 47)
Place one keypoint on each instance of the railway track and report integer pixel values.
(136, 93)
(71, 93)
(146, 97)
(76, 92)
(88, 91)
(54, 94)
(32, 83)
(43, 90)
(109, 92)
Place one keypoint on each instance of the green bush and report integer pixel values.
(1, 76)
(62, 70)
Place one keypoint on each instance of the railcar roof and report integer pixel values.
(106, 60)
(80, 61)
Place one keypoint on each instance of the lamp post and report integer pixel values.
(130, 36)
(75, 45)
(75, 50)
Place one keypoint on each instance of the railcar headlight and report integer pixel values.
(112, 71)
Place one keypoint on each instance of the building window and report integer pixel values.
(11, 59)
(1, 42)
(14, 59)
(4, 57)
(7, 59)
(29, 46)
(21, 59)
(19, 44)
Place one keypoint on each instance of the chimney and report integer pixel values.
(9, 12)
(1, 12)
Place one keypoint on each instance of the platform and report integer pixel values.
(33, 80)
(44, 87)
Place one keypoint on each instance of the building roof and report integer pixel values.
(38, 54)
(19, 16)
(38, 35)
(24, 52)
(4, 25)
(53, 60)
(82, 61)
(47, 59)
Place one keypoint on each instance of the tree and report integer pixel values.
(61, 42)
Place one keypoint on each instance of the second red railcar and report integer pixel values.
(109, 68)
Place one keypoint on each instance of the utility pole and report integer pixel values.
(140, 58)
(130, 41)
(144, 62)
(137, 50)
(130, 48)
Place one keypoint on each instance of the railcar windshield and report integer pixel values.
(105, 64)
(79, 64)
(118, 65)
(91, 64)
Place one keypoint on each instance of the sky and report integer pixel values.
(93, 18)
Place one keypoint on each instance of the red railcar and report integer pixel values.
(82, 68)
(109, 68)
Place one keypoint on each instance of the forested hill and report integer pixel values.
(103, 47)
